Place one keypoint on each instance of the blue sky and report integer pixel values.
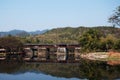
(31, 15)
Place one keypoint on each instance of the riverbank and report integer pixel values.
(112, 58)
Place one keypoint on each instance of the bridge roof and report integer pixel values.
(53, 45)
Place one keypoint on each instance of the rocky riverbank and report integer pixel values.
(112, 58)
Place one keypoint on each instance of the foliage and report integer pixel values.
(93, 40)
(11, 44)
(115, 18)
(117, 45)
(89, 40)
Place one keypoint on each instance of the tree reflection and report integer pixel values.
(85, 69)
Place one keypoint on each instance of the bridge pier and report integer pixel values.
(47, 53)
(77, 53)
(34, 53)
(61, 54)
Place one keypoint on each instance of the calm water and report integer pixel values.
(59, 71)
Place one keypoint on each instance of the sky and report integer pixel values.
(31, 15)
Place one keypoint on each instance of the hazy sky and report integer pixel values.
(33, 15)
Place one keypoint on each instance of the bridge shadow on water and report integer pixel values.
(92, 70)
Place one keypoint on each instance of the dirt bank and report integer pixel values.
(112, 58)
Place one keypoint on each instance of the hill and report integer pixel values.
(71, 35)
(21, 33)
(14, 33)
(37, 32)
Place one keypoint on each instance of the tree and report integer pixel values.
(11, 44)
(117, 45)
(90, 40)
(107, 43)
(115, 18)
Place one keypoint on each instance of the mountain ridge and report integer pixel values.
(21, 33)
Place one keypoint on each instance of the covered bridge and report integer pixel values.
(59, 52)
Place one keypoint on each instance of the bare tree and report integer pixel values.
(115, 18)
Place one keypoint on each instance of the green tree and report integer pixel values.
(115, 18)
(90, 39)
(107, 43)
(117, 45)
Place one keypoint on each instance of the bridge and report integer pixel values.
(45, 52)
(54, 52)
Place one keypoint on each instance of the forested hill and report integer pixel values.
(72, 35)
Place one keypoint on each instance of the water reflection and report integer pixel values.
(31, 76)
(58, 71)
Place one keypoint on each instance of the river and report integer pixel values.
(85, 70)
